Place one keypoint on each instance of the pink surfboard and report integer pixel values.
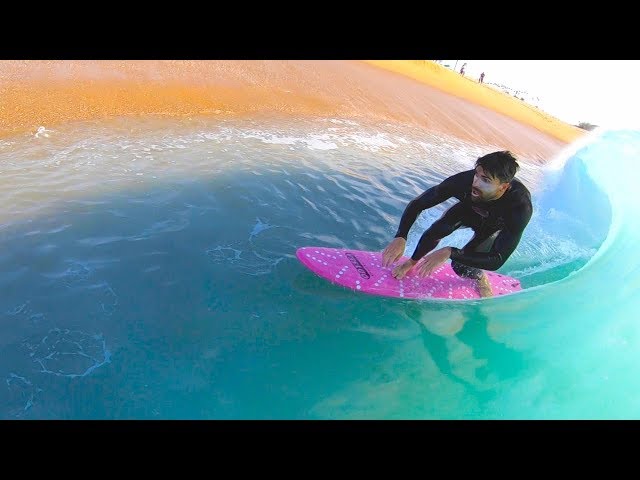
(362, 271)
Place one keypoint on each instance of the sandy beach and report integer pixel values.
(421, 93)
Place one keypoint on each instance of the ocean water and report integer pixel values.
(148, 271)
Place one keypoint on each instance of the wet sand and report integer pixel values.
(48, 93)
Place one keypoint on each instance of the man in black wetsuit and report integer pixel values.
(492, 202)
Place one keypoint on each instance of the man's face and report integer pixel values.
(485, 187)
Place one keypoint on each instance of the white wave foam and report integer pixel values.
(371, 142)
(281, 140)
(248, 262)
(344, 122)
(70, 353)
(43, 132)
(321, 142)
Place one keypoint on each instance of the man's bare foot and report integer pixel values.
(484, 287)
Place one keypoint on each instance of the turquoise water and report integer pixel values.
(148, 271)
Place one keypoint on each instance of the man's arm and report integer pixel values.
(503, 246)
(452, 186)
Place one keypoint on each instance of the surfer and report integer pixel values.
(492, 202)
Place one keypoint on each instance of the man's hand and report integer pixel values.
(433, 260)
(402, 269)
(393, 251)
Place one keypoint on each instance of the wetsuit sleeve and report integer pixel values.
(450, 187)
(504, 244)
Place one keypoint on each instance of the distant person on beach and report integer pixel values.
(462, 69)
(481, 80)
(494, 204)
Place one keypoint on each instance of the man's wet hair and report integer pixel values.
(501, 165)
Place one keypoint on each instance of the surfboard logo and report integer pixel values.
(359, 267)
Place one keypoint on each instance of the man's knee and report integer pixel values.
(484, 246)
(466, 271)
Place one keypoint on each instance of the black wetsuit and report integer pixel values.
(497, 224)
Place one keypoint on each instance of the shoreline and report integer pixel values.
(49, 93)
(438, 76)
